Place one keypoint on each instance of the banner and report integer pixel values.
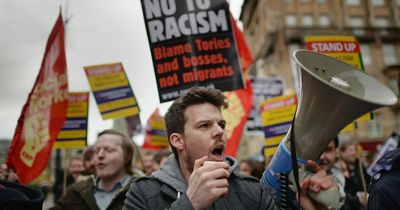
(263, 88)
(344, 48)
(74, 132)
(112, 91)
(277, 115)
(240, 101)
(156, 136)
(192, 44)
(43, 114)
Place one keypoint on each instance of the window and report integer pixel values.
(366, 55)
(290, 20)
(398, 2)
(382, 22)
(322, 1)
(307, 20)
(324, 21)
(305, 1)
(389, 54)
(375, 129)
(358, 23)
(378, 2)
(288, 1)
(353, 2)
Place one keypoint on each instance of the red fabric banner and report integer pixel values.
(43, 114)
(240, 101)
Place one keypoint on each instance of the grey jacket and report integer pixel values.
(166, 189)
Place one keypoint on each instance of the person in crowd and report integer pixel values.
(88, 161)
(198, 175)
(349, 164)
(327, 162)
(75, 169)
(16, 196)
(161, 157)
(113, 160)
(385, 186)
(149, 165)
(251, 167)
(7, 174)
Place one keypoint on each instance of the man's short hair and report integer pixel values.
(88, 153)
(175, 116)
(336, 141)
(127, 147)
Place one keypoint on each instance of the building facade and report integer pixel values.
(275, 28)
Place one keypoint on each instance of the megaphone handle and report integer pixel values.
(328, 197)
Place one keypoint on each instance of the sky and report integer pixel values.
(97, 32)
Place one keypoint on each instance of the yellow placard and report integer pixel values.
(74, 132)
(79, 143)
(269, 151)
(77, 109)
(278, 110)
(104, 107)
(121, 113)
(159, 140)
(112, 91)
(344, 48)
(273, 140)
(108, 81)
(71, 134)
(158, 125)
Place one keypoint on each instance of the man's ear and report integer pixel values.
(176, 141)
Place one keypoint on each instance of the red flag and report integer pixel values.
(156, 135)
(43, 114)
(240, 101)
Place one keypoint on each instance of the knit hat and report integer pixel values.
(18, 197)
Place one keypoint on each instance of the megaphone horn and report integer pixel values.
(332, 95)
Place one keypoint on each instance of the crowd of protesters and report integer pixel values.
(104, 175)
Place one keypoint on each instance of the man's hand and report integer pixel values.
(317, 182)
(207, 183)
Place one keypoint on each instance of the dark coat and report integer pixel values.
(385, 190)
(166, 189)
(80, 196)
(14, 196)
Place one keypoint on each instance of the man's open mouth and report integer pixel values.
(218, 152)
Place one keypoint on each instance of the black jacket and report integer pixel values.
(166, 189)
(385, 189)
(14, 196)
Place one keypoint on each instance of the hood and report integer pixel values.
(171, 175)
